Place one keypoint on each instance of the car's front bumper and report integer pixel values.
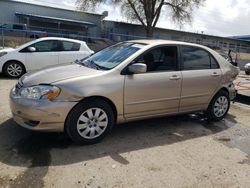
(40, 115)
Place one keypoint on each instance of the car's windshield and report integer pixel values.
(112, 56)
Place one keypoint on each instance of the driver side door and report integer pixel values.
(156, 92)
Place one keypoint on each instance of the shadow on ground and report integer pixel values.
(20, 147)
(38, 151)
(242, 99)
(3, 77)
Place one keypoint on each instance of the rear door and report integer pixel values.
(69, 51)
(158, 90)
(201, 78)
(46, 54)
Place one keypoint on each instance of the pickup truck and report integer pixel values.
(21, 30)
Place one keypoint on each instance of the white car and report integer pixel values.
(247, 68)
(41, 53)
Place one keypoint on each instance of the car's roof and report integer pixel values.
(59, 38)
(160, 41)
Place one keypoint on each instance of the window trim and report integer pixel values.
(73, 45)
(178, 67)
(209, 53)
(24, 50)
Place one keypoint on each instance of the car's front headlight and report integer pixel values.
(3, 53)
(38, 92)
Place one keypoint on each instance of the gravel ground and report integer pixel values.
(180, 151)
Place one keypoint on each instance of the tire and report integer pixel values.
(219, 106)
(247, 73)
(81, 126)
(13, 69)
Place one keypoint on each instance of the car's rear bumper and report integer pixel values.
(40, 115)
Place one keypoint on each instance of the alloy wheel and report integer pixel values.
(14, 70)
(221, 106)
(92, 123)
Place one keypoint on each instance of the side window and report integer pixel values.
(69, 46)
(18, 27)
(197, 59)
(214, 64)
(46, 46)
(160, 59)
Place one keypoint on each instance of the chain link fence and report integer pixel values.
(15, 37)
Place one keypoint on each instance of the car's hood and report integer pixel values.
(57, 73)
(7, 50)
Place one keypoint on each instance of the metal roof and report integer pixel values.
(55, 19)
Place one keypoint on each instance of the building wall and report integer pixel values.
(125, 31)
(9, 8)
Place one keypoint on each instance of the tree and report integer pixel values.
(148, 12)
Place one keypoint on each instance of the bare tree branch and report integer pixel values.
(148, 12)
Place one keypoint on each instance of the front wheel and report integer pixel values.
(219, 106)
(89, 121)
(13, 69)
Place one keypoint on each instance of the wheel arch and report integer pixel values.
(13, 60)
(223, 89)
(110, 102)
(107, 100)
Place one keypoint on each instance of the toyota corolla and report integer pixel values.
(128, 81)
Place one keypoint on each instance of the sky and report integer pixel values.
(215, 17)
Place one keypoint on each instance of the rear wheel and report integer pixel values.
(89, 121)
(13, 69)
(219, 106)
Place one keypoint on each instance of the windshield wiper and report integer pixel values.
(94, 65)
(77, 62)
(99, 66)
(91, 64)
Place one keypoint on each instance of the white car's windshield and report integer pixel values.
(112, 56)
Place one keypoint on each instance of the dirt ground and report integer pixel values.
(180, 151)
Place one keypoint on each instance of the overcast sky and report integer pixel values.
(215, 17)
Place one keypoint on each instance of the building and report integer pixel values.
(92, 27)
(243, 37)
(126, 31)
(50, 19)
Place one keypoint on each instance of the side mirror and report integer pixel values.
(137, 68)
(31, 49)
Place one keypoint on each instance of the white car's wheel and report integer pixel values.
(14, 69)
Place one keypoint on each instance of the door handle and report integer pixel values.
(215, 74)
(175, 77)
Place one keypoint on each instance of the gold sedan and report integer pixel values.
(128, 81)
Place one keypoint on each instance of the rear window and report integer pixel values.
(194, 58)
(70, 46)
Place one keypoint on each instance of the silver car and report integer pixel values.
(128, 81)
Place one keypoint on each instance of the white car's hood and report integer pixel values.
(7, 50)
